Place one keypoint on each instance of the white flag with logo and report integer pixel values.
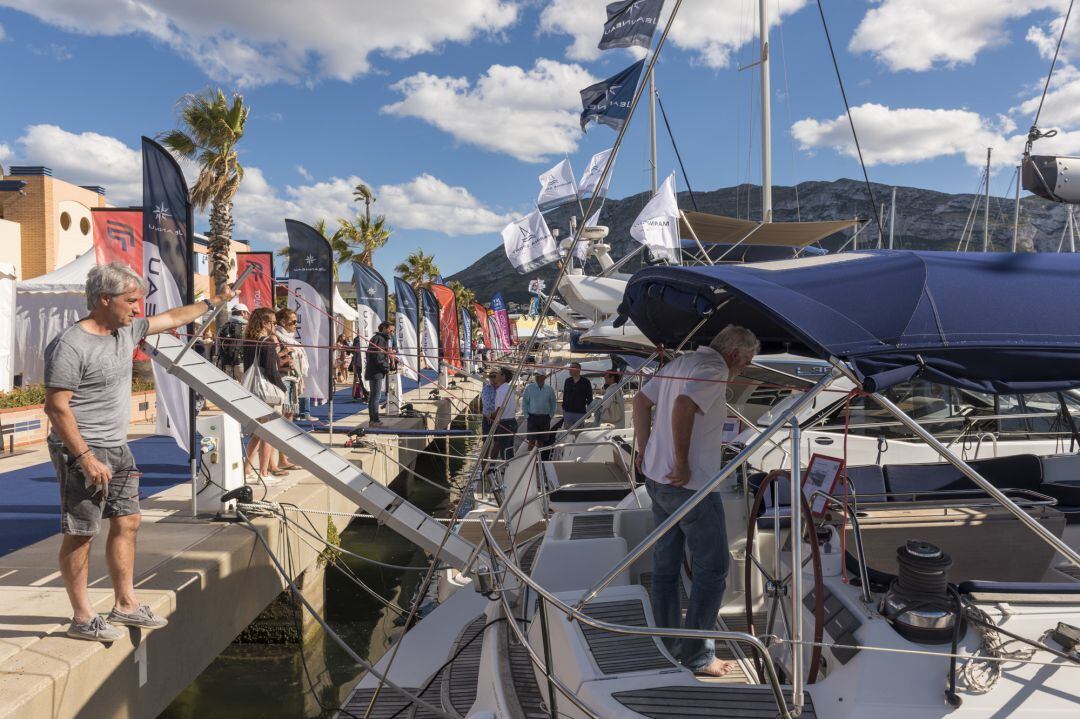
(591, 177)
(557, 186)
(657, 225)
(529, 244)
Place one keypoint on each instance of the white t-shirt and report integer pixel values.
(510, 410)
(702, 376)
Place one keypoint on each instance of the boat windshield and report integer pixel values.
(950, 413)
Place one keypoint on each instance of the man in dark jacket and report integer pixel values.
(576, 396)
(379, 363)
(231, 343)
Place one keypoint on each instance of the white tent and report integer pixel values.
(44, 306)
(344, 310)
(7, 325)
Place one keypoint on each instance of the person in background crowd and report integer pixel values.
(539, 406)
(576, 396)
(379, 363)
(88, 402)
(342, 357)
(294, 367)
(231, 342)
(679, 423)
(504, 416)
(481, 350)
(613, 405)
(262, 348)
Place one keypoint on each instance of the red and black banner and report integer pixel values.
(258, 289)
(118, 233)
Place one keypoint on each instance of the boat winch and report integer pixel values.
(918, 603)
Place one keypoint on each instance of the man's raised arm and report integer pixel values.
(180, 316)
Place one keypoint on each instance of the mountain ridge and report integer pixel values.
(926, 219)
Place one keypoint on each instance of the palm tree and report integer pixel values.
(363, 193)
(366, 235)
(463, 295)
(211, 125)
(418, 269)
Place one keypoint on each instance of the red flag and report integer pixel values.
(118, 238)
(448, 325)
(513, 332)
(482, 318)
(258, 289)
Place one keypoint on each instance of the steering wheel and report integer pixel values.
(782, 586)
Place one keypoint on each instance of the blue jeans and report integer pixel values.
(304, 406)
(375, 389)
(703, 531)
(571, 418)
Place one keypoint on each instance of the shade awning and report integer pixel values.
(993, 322)
(730, 230)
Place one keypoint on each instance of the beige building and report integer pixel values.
(53, 218)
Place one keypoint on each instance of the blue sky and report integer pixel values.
(451, 110)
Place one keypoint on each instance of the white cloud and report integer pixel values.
(259, 209)
(253, 42)
(922, 34)
(85, 159)
(713, 30)
(528, 114)
(906, 135)
(424, 203)
(303, 172)
(3, 36)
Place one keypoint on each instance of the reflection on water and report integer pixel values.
(268, 681)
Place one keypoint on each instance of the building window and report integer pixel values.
(84, 226)
(65, 220)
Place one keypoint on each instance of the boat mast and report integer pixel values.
(986, 215)
(892, 217)
(1016, 208)
(766, 114)
(652, 126)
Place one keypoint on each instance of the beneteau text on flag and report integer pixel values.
(311, 287)
(258, 289)
(167, 270)
(430, 350)
(529, 244)
(407, 322)
(591, 177)
(371, 291)
(657, 225)
(466, 333)
(608, 101)
(557, 186)
(630, 23)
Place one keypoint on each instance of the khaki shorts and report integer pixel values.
(82, 505)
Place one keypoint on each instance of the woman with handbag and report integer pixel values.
(293, 368)
(262, 377)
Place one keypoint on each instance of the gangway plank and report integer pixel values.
(259, 418)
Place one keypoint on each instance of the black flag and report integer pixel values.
(630, 23)
(371, 291)
(311, 288)
(608, 101)
(168, 251)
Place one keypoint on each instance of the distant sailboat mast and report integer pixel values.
(766, 114)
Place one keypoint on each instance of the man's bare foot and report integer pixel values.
(715, 668)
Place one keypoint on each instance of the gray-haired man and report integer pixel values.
(678, 416)
(88, 402)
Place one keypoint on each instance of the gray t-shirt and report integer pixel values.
(97, 369)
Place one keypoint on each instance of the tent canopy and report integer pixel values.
(993, 322)
(69, 278)
(343, 308)
(719, 229)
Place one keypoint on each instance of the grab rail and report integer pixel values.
(496, 553)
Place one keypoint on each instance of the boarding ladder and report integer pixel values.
(259, 418)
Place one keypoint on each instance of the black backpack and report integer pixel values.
(232, 347)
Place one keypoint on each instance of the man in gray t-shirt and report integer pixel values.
(88, 402)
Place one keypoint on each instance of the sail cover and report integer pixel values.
(990, 322)
(731, 230)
